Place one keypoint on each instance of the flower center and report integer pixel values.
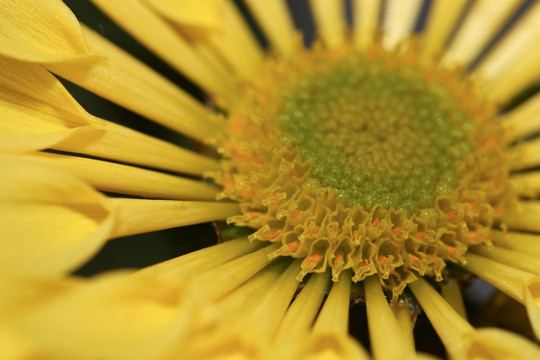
(365, 161)
(377, 135)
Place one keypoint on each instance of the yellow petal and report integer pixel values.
(40, 31)
(236, 44)
(303, 310)
(124, 80)
(483, 20)
(525, 155)
(505, 278)
(136, 216)
(366, 22)
(255, 322)
(532, 302)
(525, 217)
(252, 288)
(123, 179)
(496, 344)
(231, 40)
(422, 356)
(168, 44)
(263, 315)
(442, 19)
(526, 262)
(329, 338)
(334, 316)
(330, 346)
(217, 282)
(115, 316)
(402, 312)
(115, 142)
(383, 325)
(448, 324)
(330, 19)
(527, 184)
(522, 242)
(524, 120)
(517, 78)
(223, 345)
(276, 22)
(200, 14)
(51, 221)
(13, 346)
(38, 112)
(513, 47)
(28, 86)
(399, 20)
(204, 259)
(23, 293)
(451, 292)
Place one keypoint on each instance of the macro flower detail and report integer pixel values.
(352, 187)
(368, 162)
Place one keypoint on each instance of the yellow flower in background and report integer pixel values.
(378, 165)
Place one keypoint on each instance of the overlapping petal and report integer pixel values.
(40, 31)
(52, 318)
(51, 221)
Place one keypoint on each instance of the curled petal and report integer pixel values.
(145, 316)
(40, 31)
(532, 302)
(491, 343)
(56, 221)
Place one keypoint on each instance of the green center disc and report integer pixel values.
(377, 135)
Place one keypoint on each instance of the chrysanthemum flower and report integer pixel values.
(379, 165)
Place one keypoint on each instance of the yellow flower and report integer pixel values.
(377, 165)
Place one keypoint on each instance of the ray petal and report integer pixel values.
(525, 155)
(483, 20)
(302, 312)
(276, 22)
(383, 325)
(168, 44)
(215, 283)
(329, 16)
(124, 80)
(440, 23)
(38, 113)
(203, 15)
(229, 38)
(525, 217)
(532, 301)
(526, 262)
(47, 314)
(504, 277)
(366, 22)
(56, 220)
(447, 323)
(124, 179)
(203, 259)
(522, 242)
(40, 31)
(510, 83)
(329, 338)
(510, 50)
(136, 216)
(524, 120)
(399, 20)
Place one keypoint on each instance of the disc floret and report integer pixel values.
(365, 161)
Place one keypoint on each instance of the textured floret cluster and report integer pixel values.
(366, 161)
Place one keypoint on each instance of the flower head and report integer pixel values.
(376, 165)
